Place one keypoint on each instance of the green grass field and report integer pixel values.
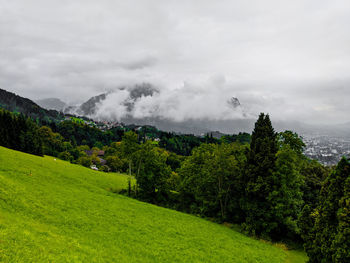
(53, 211)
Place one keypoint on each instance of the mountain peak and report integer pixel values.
(234, 102)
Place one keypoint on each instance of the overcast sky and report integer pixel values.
(288, 58)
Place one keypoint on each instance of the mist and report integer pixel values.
(188, 102)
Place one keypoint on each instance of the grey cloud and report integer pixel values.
(289, 58)
(140, 64)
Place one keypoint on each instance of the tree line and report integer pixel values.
(19, 133)
(262, 182)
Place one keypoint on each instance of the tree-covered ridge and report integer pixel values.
(15, 103)
(70, 139)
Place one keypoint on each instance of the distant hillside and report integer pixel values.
(15, 103)
(54, 211)
(52, 104)
(88, 108)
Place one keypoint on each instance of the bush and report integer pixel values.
(84, 161)
(116, 164)
(66, 156)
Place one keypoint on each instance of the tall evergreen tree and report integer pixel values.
(258, 178)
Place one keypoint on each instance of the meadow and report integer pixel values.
(54, 211)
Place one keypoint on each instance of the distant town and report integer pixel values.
(327, 149)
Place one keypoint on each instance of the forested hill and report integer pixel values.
(84, 131)
(15, 103)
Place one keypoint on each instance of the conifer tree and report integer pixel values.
(258, 178)
(273, 196)
(19, 133)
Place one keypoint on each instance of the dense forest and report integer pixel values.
(19, 133)
(262, 182)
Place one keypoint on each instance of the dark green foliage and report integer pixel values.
(79, 133)
(306, 222)
(129, 144)
(84, 161)
(242, 137)
(174, 182)
(148, 132)
(211, 181)
(273, 196)
(286, 198)
(195, 176)
(341, 243)
(259, 179)
(174, 161)
(152, 173)
(19, 133)
(184, 144)
(129, 147)
(117, 164)
(53, 143)
(329, 238)
(314, 174)
(30, 139)
(65, 156)
(179, 144)
(291, 139)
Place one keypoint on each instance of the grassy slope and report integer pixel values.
(64, 212)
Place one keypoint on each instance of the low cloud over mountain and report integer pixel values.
(182, 104)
